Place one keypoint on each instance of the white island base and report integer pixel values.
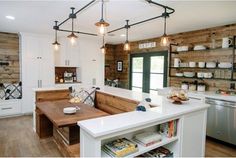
(189, 141)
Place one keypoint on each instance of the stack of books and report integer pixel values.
(120, 147)
(148, 138)
(159, 152)
(169, 129)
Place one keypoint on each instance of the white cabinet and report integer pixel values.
(37, 66)
(67, 55)
(10, 107)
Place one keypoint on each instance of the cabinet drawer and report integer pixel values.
(10, 108)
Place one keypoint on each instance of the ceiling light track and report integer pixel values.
(102, 24)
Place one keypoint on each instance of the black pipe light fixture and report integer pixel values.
(103, 48)
(126, 44)
(165, 39)
(102, 24)
(56, 43)
(72, 36)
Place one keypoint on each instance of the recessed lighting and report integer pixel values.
(10, 17)
(122, 35)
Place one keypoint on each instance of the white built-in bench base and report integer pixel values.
(10, 107)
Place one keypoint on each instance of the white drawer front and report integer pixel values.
(10, 108)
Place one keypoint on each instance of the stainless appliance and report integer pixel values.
(68, 77)
(221, 120)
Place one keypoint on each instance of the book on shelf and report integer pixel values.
(120, 147)
(159, 152)
(169, 129)
(148, 138)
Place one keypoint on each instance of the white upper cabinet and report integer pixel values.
(68, 54)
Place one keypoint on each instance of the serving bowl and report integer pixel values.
(189, 74)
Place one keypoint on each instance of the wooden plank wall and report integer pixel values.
(186, 38)
(9, 52)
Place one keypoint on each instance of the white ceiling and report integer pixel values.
(38, 16)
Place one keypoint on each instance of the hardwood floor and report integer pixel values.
(18, 139)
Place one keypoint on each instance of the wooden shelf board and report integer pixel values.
(202, 78)
(143, 149)
(209, 50)
(200, 68)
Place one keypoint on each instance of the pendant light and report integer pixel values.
(127, 45)
(165, 39)
(102, 24)
(72, 36)
(103, 48)
(56, 43)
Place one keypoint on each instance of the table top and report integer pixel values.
(54, 112)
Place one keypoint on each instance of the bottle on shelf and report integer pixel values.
(74, 77)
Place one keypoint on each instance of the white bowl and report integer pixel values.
(192, 64)
(201, 64)
(225, 65)
(211, 64)
(179, 74)
(200, 74)
(189, 74)
(69, 110)
(199, 47)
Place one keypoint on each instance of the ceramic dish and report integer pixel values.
(225, 65)
(189, 74)
(70, 110)
(199, 47)
(179, 74)
(211, 64)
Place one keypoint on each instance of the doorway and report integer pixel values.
(148, 71)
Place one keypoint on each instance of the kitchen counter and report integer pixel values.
(191, 116)
(195, 94)
(165, 110)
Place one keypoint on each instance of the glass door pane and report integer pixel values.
(157, 64)
(137, 74)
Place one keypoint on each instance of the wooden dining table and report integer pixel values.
(51, 121)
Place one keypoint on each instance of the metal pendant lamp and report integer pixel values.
(165, 39)
(56, 43)
(72, 36)
(102, 24)
(126, 44)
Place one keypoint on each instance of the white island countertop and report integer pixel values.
(115, 123)
(207, 94)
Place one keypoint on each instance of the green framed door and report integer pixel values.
(148, 71)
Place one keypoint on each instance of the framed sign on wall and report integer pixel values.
(119, 66)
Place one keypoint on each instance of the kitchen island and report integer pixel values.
(125, 122)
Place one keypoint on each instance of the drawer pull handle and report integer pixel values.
(7, 108)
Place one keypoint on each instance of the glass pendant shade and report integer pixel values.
(103, 49)
(56, 45)
(102, 27)
(127, 46)
(73, 38)
(165, 41)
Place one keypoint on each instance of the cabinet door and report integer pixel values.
(61, 58)
(73, 54)
(193, 135)
(46, 63)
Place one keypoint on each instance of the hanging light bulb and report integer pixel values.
(127, 45)
(103, 48)
(165, 39)
(56, 43)
(72, 36)
(102, 24)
